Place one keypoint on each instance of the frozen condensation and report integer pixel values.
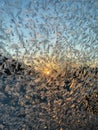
(58, 30)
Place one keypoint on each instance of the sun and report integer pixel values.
(48, 72)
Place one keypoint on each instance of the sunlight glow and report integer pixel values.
(48, 73)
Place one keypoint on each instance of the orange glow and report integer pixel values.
(48, 72)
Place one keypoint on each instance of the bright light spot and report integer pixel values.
(48, 72)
